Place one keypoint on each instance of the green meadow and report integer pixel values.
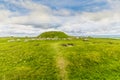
(75, 59)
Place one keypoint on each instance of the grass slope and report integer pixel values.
(53, 34)
(95, 59)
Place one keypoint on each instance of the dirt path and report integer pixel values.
(61, 64)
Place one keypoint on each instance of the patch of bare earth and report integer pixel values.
(61, 64)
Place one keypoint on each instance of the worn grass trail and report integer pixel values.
(61, 63)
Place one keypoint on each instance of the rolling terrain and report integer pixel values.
(76, 59)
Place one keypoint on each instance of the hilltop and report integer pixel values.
(53, 34)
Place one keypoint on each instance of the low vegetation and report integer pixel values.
(77, 59)
(54, 55)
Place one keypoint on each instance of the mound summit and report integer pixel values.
(53, 34)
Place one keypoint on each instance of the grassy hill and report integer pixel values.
(28, 59)
(53, 34)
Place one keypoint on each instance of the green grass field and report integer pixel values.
(77, 59)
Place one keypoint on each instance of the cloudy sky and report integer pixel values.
(75, 17)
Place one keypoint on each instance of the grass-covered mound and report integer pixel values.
(53, 34)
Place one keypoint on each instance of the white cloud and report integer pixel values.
(42, 18)
(105, 22)
(38, 13)
(115, 4)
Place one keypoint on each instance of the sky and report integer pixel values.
(74, 17)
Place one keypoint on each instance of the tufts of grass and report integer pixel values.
(27, 61)
(95, 59)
